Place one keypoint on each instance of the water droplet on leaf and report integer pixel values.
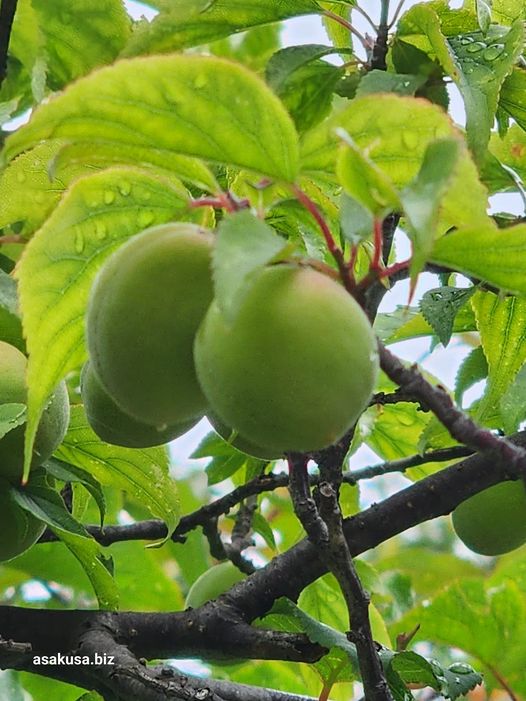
(20, 177)
(124, 188)
(109, 197)
(200, 81)
(145, 218)
(100, 230)
(475, 47)
(79, 241)
(493, 52)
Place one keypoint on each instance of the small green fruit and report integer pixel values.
(296, 367)
(19, 530)
(212, 583)
(144, 310)
(53, 423)
(493, 521)
(239, 442)
(113, 425)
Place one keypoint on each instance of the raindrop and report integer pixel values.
(475, 47)
(39, 197)
(79, 241)
(20, 177)
(466, 40)
(410, 139)
(109, 196)
(493, 52)
(468, 70)
(460, 668)
(124, 188)
(145, 217)
(100, 230)
(200, 81)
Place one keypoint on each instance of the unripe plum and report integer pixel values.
(212, 583)
(239, 442)
(19, 530)
(145, 307)
(493, 521)
(53, 423)
(296, 367)
(113, 425)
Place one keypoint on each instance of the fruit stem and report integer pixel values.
(345, 23)
(346, 274)
(225, 200)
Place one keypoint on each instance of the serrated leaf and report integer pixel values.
(47, 505)
(81, 36)
(480, 75)
(497, 256)
(57, 270)
(244, 245)
(363, 180)
(440, 307)
(460, 678)
(502, 327)
(422, 198)
(414, 669)
(171, 103)
(513, 96)
(143, 473)
(474, 368)
(212, 446)
(378, 125)
(286, 61)
(182, 27)
(507, 11)
(11, 416)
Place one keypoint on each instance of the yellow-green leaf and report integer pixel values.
(192, 105)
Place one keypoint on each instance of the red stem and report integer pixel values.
(378, 245)
(345, 23)
(334, 249)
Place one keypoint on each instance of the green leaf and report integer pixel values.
(491, 254)
(459, 679)
(224, 466)
(262, 526)
(10, 322)
(363, 180)
(356, 221)
(48, 506)
(510, 150)
(440, 307)
(507, 11)
(482, 62)
(143, 472)
(422, 198)
(172, 104)
(11, 416)
(473, 369)
(380, 81)
(190, 25)
(80, 37)
(513, 403)
(287, 61)
(70, 473)
(513, 96)
(96, 215)
(378, 125)
(396, 429)
(414, 669)
(245, 244)
(483, 14)
(502, 326)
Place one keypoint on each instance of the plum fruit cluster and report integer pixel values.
(18, 528)
(291, 373)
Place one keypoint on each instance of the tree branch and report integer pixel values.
(7, 16)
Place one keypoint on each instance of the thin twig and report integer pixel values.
(396, 13)
(345, 23)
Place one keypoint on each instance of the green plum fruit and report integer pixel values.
(53, 423)
(239, 442)
(493, 521)
(19, 530)
(212, 583)
(295, 368)
(145, 307)
(113, 425)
